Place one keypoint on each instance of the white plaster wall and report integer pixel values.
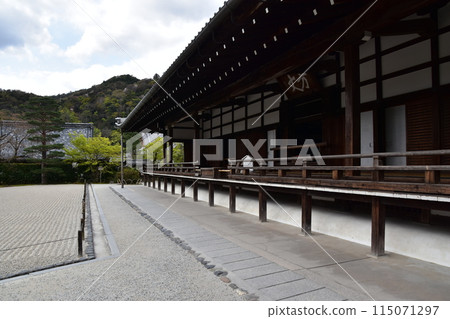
(405, 238)
(445, 73)
(367, 137)
(407, 83)
(444, 45)
(407, 57)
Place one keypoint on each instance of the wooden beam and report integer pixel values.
(306, 213)
(422, 26)
(232, 199)
(211, 193)
(378, 227)
(262, 196)
(352, 103)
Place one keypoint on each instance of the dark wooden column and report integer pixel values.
(232, 198)
(159, 183)
(262, 205)
(352, 103)
(145, 177)
(165, 184)
(195, 191)
(211, 193)
(306, 213)
(154, 181)
(172, 185)
(183, 188)
(171, 144)
(378, 227)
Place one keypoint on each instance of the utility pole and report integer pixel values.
(121, 158)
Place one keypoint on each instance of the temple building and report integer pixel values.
(364, 84)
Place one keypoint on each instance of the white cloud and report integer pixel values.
(52, 46)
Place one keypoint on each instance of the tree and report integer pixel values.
(42, 114)
(17, 140)
(91, 153)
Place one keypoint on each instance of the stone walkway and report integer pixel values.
(38, 227)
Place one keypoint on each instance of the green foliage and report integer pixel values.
(155, 151)
(92, 153)
(30, 173)
(130, 175)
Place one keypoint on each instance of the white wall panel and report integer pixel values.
(445, 73)
(444, 16)
(444, 45)
(367, 70)
(392, 41)
(367, 49)
(368, 93)
(272, 118)
(407, 57)
(407, 83)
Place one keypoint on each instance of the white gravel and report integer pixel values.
(38, 227)
(154, 268)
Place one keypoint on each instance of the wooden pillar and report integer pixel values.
(352, 104)
(211, 193)
(165, 184)
(262, 196)
(172, 185)
(154, 181)
(378, 227)
(145, 180)
(159, 183)
(171, 144)
(232, 201)
(306, 213)
(195, 191)
(183, 188)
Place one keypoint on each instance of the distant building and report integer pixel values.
(14, 137)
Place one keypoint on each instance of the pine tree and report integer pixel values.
(42, 114)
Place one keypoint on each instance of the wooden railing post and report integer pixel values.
(232, 200)
(183, 188)
(378, 227)
(211, 193)
(172, 185)
(306, 213)
(195, 191)
(262, 196)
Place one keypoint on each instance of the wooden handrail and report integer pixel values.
(346, 156)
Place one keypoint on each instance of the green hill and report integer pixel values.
(100, 104)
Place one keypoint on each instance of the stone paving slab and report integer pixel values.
(274, 279)
(320, 294)
(236, 257)
(290, 289)
(259, 271)
(246, 264)
(38, 227)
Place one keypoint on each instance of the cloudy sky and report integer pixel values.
(57, 46)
